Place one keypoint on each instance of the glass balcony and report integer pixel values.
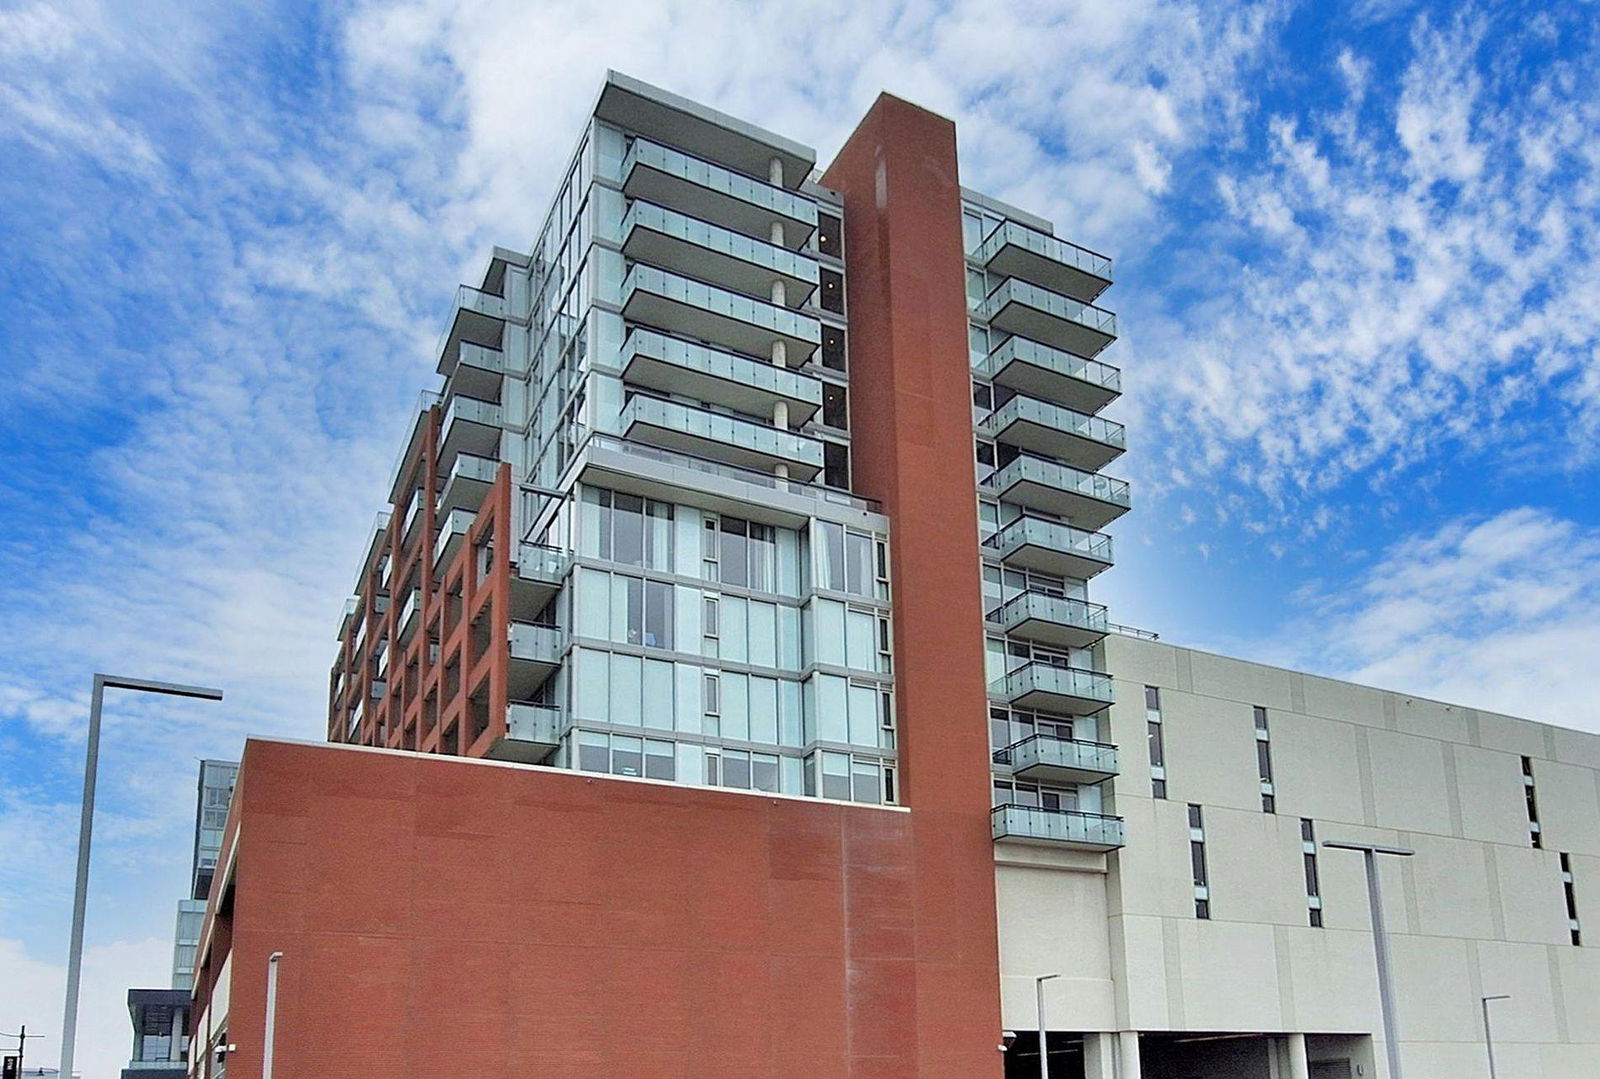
(1052, 375)
(1050, 547)
(750, 386)
(711, 253)
(533, 731)
(1057, 620)
(410, 614)
(1089, 442)
(695, 464)
(539, 575)
(469, 426)
(400, 475)
(1067, 827)
(699, 188)
(1014, 250)
(705, 312)
(1015, 306)
(467, 482)
(416, 515)
(351, 606)
(477, 318)
(453, 527)
(1048, 759)
(1088, 499)
(708, 434)
(1067, 690)
(475, 371)
(536, 652)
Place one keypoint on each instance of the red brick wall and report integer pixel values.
(443, 917)
(911, 448)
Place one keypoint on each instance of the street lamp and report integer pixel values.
(1038, 999)
(1488, 1034)
(1380, 942)
(80, 895)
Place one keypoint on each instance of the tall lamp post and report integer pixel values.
(1488, 1032)
(80, 895)
(1380, 942)
(1038, 999)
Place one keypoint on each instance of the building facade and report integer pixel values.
(160, 1017)
(731, 615)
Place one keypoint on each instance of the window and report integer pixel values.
(830, 235)
(746, 552)
(850, 561)
(835, 406)
(1575, 927)
(1157, 743)
(836, 465)
(1535, 833)
(628, 529)
(833, 348)
(649, 609)
(1197, 862)
(1308, 855)
(832, 292)
(1269, 793)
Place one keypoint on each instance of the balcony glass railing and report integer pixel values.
(723, 181)
(1023, 409)
(1041, 677)
(469, 466)
(538, 723)
(1065, 753)
(1052, 536)
(452, 528)
(1026, 468)
(425, 401)
(1045, 246)
(1069, 826)
(771, 378)
(736, 245)
(406, 620)
(487, 359)
(734, 472)
(1019, 349)
(471, 410)
(744, 434)
(473, 301)
(1013, 290)
(536, 562)
(1060, 610)
(543, 644)
(721, 302)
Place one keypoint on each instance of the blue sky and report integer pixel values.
(1358, 276)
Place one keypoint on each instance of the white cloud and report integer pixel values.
(1500, 613)
(1418, 282)
(32, 991)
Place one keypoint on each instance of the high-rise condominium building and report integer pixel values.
(722, 695)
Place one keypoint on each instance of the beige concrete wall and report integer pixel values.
(1478, 910)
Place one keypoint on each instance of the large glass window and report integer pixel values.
(628, 529)
(746, 552)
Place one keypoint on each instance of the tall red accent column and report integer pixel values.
(911, 421)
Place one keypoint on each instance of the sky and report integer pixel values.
(1358, 283)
